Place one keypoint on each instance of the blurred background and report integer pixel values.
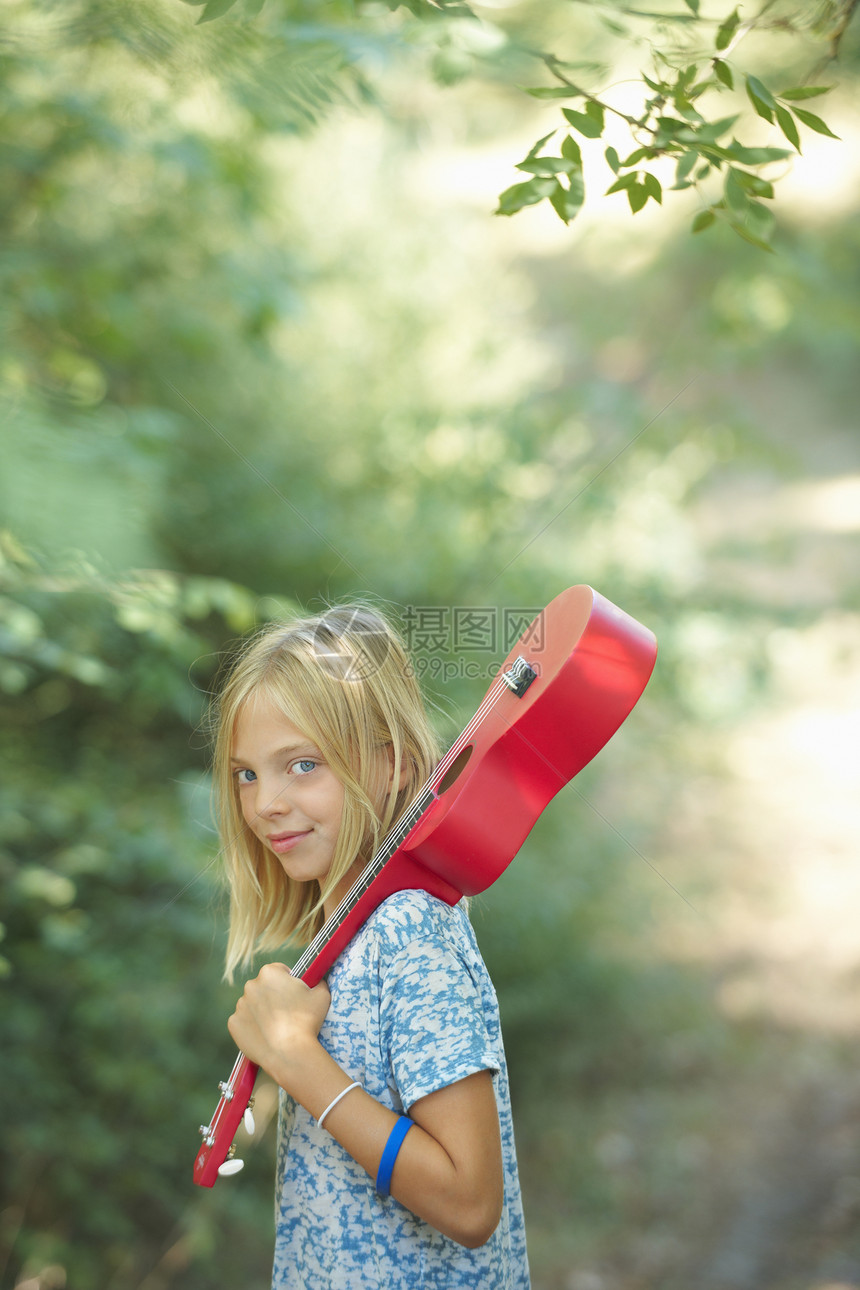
(263, 345)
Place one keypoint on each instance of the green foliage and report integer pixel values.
(674, 126)
(550, 174)
(692, 67)
(107, 876)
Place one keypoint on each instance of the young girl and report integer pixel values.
(396, 1164)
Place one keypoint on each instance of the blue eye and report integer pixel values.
(243, 771)
(304, 766)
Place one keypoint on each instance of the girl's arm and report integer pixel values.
(449, 1169)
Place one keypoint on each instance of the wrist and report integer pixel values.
(297, 1065)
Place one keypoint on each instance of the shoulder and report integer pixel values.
(411, 938)
(416, 916)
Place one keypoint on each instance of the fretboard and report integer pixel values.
(372, 869)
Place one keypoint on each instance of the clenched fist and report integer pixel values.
(277, 1022)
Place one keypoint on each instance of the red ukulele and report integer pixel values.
(560, 695)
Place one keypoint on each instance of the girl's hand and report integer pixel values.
(277, 1021)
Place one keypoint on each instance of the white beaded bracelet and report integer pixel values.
(339, 1098)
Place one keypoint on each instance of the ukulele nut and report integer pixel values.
(519, 676)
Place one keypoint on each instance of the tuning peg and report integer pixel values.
(249, 1121)
(231, 1165)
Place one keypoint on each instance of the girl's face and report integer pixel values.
(290, 797)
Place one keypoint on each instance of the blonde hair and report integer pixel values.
(344, 679)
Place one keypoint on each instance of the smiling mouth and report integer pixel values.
(281, 842)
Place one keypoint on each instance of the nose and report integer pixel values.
(271, 800)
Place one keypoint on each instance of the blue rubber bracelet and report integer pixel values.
(389, 1155)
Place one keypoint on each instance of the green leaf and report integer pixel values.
(727, 30)
(757, 88)
(761, 98)
(724, 73)
(760, 221)
(634, 157)
(711, 132)
(659, 87)
(762, 109)
(685, 108)
(671, 128)
(600, 70)
(814, 122)
(567, 202)
(703, 220)
(586, 125)
(612, 159)
(754, 184)
(787, 125)
(626, 181)
(754, 156)
(519, 195)
(686, 77)
(215, 9)
(594, 110)
(714, 155)
(652, 187)
(547, 166)
(693, 6)
(571, 150)
(533, 152)
(804, 92)
(552, 91)
(736, 198)
(637, 196)
(749, 236)
(686, 164)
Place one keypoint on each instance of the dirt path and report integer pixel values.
(738, 1167)
(782, 1187)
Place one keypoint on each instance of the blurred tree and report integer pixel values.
(108, 978)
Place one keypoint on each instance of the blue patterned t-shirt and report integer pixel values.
(412, 1011)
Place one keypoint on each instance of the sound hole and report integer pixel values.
(453, 772)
